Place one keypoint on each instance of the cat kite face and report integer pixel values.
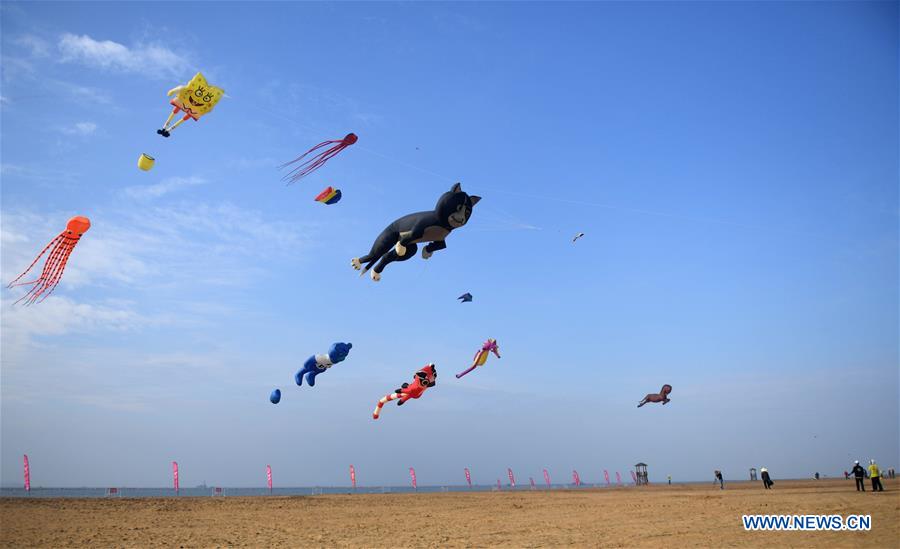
(428, 375)
(455, 206)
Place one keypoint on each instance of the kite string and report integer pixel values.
(562, 200)
(613, 207)
(525, 195)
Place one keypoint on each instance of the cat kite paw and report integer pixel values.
(426, 254)
(355, 263)
(375, 276)
(400, 249)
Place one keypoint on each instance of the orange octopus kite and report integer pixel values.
(62, 247)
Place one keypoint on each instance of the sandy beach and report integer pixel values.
(683, 515)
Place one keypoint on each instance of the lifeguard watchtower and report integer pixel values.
(753, 473)
(641, 474)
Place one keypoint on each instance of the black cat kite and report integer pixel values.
(398, 241)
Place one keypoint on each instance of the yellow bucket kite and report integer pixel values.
(145, 162)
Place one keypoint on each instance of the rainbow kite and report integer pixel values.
(329, 196)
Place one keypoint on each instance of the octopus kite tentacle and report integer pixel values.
(51, 273)
(53, 242)
(317, 161)
(61, 248)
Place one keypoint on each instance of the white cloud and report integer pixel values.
(161, 247)
(37, 46)
(164, 187)
(106, 54)
(59, 315)
(80, 128)
(15, 68)
(143, 256)
(15, 173)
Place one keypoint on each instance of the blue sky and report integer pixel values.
(734, 167)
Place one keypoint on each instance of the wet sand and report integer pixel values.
(658, 515)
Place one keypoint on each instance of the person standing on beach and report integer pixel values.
(767, 480)
(817, 475)
(670, 479)
(846, 475)
(720, 479)
(860, 475)
(875, 475)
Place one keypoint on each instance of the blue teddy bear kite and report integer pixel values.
(317, 364)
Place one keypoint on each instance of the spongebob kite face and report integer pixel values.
(197, 97)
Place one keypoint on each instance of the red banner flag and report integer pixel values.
(468, 477)
(353, 477)
(618, 478)
(547, 478)
(412, 475)
(175, 475)
(606, 476)
(27, 473)
(575, 478)
(512, 478)
(269, 477)
(634, 477)
(532, 482)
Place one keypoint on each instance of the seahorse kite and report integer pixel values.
(489, 346)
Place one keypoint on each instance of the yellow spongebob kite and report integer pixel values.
(195, 98)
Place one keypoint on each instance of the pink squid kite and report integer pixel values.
(489, 346)
(60, 249)
(319, 159)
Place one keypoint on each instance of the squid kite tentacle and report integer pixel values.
(318, 160)
(51, 274)
(33, 263)
(56, 255)
(53, 282)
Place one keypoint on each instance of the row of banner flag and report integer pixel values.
(576, 480)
